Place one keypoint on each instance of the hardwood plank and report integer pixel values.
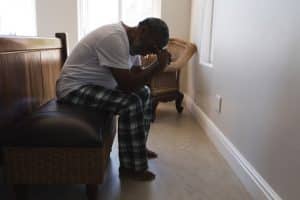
(14, 43)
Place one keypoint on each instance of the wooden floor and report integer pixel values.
(188, 167)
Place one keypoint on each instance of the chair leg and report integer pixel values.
(154, 106)
(92, 191)
(179, 100)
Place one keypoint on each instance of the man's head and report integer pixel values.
(151, 35)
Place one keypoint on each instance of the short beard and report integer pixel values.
(135, 49)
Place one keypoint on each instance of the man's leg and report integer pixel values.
(131, 128)
(145, 94)
(132, 120)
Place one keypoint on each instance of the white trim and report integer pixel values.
(206, 64)
(156, 12)
(35, 18)
(120, 2)
(79, 19)
(82, 13)
(206, 46)
(251, 179)
(211, 30)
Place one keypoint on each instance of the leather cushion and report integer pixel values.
(62, 125)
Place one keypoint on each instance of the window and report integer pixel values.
(17, 17)
(206, 45)
(95, 13)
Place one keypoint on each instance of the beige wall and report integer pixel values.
(256, 71)
(57, 16)
(176, 13)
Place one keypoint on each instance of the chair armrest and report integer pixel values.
(188, 51)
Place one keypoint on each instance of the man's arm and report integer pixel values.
(131, 80)
(136, 68)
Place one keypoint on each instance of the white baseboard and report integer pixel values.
(251, 179)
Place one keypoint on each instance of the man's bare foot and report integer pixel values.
(151, 154)
(144, 175)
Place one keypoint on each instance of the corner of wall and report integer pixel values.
(251, 179)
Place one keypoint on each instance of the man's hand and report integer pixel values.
(129, 81)
(163, 58)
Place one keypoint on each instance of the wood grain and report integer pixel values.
(29, 68)
(16, 43)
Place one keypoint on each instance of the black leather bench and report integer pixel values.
(62, 125)
(42, 141)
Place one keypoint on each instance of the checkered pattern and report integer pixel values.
(135, 115)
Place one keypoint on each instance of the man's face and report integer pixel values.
(144, 44)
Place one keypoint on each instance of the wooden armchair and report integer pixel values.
(165, 86)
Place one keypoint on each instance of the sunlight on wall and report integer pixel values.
(18, 17)
(96, 13)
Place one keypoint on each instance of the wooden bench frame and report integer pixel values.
(32, 62)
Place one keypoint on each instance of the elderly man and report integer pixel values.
(104, 72)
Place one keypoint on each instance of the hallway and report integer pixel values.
(188, 167)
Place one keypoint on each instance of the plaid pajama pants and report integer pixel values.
(135, 115)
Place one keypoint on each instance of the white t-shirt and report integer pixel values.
(89, 62)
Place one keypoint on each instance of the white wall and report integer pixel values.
(57, 16)
(256, 70)
(61, 16)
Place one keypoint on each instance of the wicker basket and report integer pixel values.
(56, 165)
